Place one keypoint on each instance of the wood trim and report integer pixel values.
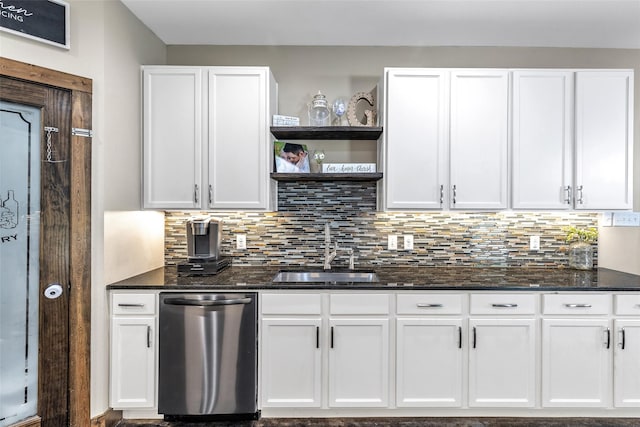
(80, 264)
(29, 422)
(108, 419)
(35, 74)
(80, 237)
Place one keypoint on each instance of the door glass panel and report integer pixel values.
(19, 246)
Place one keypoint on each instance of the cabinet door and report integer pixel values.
(626, 364)
(238, 144)
(502, 362)
(291, 358)
(133, 368)
(415, 138)
(542, 139)
(429, 362)
(359, 362)
(604, 139)
(172, 147)
(479, 125)
(576, 362)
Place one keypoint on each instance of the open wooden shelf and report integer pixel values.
(326, 176)
(327, 132)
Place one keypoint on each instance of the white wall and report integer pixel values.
(108, 45)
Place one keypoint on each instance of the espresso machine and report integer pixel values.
(204, 235)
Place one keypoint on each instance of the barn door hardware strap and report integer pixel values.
(87, 133)
(49, 130)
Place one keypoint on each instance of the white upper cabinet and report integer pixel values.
(461, 139)
(604, 140)
(213, 119)
(173, 134)
(415, 138)
(479, 130)
(542, 139)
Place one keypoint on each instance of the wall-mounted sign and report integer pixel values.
(43, 20)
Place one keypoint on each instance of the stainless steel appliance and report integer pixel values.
(208, 355)
(203, 239)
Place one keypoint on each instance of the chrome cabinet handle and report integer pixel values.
(608, 331)
(130, 305)
(624, 339)
(426, 305)
(504, 305)
(441, 194)
(196, 195)
(455, 193)
(579, 194)
(577, 305)
(210, 194)
(459, 336)
(148, 336)
(567, 199)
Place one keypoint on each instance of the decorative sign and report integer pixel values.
(349, 167)
(43, 20)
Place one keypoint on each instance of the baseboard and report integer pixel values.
(109, 419)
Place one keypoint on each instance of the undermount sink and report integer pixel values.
(326, 277)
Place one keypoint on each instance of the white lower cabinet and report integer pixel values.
(133, 351)
(429, 362)
(626, 364)
(291, 356)
(359, 362)
(502, 362)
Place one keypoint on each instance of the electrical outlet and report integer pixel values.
(606, 219)
(626, 219)
(241, 241)
(392, 242)
(408, 242)
(534, 243)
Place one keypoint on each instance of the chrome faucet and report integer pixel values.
(328, 254)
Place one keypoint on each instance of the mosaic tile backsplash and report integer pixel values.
(294, 236)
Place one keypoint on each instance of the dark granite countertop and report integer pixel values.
(406, 278)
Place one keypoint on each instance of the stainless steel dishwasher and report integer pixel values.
(208, 355)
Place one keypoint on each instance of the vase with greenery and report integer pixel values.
(581, 242)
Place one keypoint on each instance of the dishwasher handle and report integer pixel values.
(206, 303)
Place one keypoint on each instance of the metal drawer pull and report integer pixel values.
(504, 305)
(206, 303)
(624, 335)
(426, 305)
(148, 336)
(459, 336)
(608, 331)
(130, 305)
(577, 305)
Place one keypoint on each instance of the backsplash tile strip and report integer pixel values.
(294, 236)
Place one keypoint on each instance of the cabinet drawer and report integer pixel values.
(627, 304)
(576, 304)
(291, 304)
(359, 303)
(499, 303)
(427, 304)
(133, 303)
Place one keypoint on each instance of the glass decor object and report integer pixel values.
(340, 112)
(580, 250)
(319, 114)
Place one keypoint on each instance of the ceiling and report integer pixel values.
(541, 23)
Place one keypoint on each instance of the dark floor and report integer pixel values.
(398, 422)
